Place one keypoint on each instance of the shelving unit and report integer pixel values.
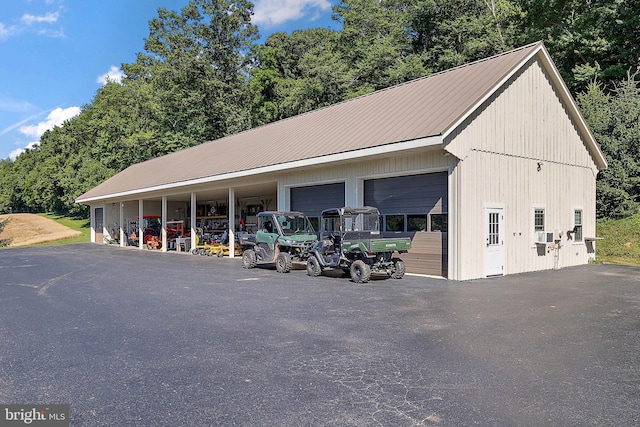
(215, 224)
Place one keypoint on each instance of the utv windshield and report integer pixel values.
(360, 222)
(292, 225)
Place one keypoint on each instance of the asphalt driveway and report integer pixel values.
(137, 338)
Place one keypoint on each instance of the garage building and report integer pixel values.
(489, 167)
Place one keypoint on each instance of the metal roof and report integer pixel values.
(414, 111)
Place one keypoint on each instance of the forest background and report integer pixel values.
(202, 75)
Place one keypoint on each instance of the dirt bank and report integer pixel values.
(29, 229)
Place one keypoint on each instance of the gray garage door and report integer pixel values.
(313, 199)
(415, 206)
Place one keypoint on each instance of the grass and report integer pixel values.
(621, 244)
(79, 224)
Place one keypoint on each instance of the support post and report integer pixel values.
(164, 224)
(194, 221)
(92, 219)
(121, 232)
(104, 224)
(231, 211)
(140, 224)
(283, 197)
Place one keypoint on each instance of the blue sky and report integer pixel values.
(55, 54)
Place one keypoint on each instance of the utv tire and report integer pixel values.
(360, 272)
(313, 266)
(249, 259)
(283, 262)
(399, 268)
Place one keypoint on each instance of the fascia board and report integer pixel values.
(282, 167)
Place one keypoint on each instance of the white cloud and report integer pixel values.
(274, 12)
(113, 75)
(15, 153)
(49, 18)
(55, 118)
(4, 31)
(54, 34)
(37, 24)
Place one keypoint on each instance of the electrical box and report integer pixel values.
(557, 235)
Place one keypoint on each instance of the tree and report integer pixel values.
(293, 74)
(449, 33)
(587, 39)
(375, 43)
(7, 185)
(118, 128)
(192, 77)
(23, 196)
(4, 242)
(615, 121)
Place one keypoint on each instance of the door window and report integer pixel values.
(494, 228)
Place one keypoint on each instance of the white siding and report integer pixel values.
(500, 147)
(526, 119)
(517, 186)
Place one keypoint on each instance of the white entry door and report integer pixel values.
(494, 235)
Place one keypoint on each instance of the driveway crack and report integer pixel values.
(43, 289)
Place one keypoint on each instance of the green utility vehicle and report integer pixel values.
(282, 238)
(350, 240)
